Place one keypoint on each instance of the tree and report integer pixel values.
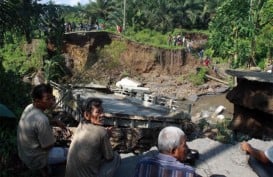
(209, 10)
(7, 18)
(267, 30)
(52, 20)
(234, 31)
(20, 16)
(159, 15)
(100, 8)
(186, 12)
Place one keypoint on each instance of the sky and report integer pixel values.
(67, 2)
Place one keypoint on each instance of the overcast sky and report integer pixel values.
(67, 2)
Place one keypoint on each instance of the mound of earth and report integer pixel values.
(164, 71)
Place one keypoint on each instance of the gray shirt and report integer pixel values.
(33, 135)
(89, 149)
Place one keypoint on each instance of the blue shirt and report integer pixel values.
(162, 165)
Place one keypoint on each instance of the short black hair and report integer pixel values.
(39, 90)
(90, 103)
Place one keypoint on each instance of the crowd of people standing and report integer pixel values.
(179, 40)
(70, 27)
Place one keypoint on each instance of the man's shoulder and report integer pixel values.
(93, 128)
(31, 113)
(166, 162)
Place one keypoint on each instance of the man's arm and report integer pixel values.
(256, 153)
(58, 123)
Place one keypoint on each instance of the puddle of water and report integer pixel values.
(206, 103)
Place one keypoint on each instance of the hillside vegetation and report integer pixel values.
(31, 37)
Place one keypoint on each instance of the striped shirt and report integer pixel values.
(162, 165)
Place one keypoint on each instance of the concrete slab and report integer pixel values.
(118, 104)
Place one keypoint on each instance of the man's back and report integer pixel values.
(163, 165)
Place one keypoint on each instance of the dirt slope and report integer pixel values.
(165, 71)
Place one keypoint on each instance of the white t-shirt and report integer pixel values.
(269, 153)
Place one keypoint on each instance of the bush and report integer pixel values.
(19, 59)
(199, 78)
(54, 68)
(112, 53)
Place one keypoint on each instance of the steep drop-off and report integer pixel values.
(95, 50)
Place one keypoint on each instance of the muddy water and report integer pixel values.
(210, 103)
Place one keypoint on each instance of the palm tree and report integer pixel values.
(209, 10)
(100, 8)
(159, 15)
(186, 12)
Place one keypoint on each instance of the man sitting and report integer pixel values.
(169, 161)
(90, 153)
(35, 139)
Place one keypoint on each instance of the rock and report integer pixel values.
(255, 68)
(220, 117)
(39, 78)
(221, 89)
(218, 110)
(128, 82)
(192, 98)
(205, 114)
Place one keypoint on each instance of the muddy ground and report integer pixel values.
(97, 57)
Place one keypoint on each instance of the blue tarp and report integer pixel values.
(6, 112)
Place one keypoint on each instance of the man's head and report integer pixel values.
(93, 111)
(172, 141)
(42, 96)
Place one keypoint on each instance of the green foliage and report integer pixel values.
(124, 74)
(111, 53)
(158, 15)
(209, 52)
(54, 23)
(8, 147)
(199, 78)
(262, 64)
(158, 39)
(236, 29)
(181, 79)
(11, 85)
(54, 68)
(21, 58)
(19, 17)
(149, 37)
(224, 134)
(76, 14)
(203, 124)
